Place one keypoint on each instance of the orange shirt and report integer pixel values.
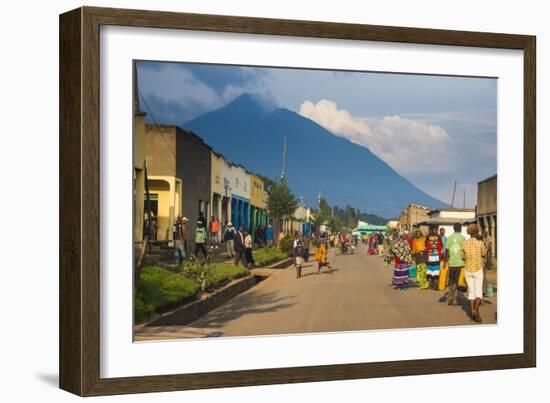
(214, 226)
(419, 245)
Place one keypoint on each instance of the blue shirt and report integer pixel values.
(269, 234)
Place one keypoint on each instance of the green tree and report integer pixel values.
(281, 202)
(323, 214)
(350, 216)
(335, 224)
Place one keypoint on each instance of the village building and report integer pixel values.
(486, 210)
(392, 224)
(412, 215)
(179, 177)
(258, 212)
(364, 228)
(446, 217)
(193, 167)
(165, 188)
(299, 221)
(221, 190)
(240, 196)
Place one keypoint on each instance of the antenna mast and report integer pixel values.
(453, 201)
(284, 159)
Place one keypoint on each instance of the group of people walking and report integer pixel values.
(180, 236)
(301, 251)
(238, 242)
(456, 255)
(375, 243)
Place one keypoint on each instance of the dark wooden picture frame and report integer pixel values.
(79, 346)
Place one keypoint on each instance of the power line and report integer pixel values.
(159, 128)
(150, 112)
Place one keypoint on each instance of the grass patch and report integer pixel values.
(219, 274)
(266, 256)
(159, 288)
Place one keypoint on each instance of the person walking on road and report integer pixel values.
(229, 239)
(488, 241)
(248, 250)
(280, 238)
(434, 251)
(453, 247)
(239, 246)
(373, 244)
(179, 243)
(269, 235)
(214, 229)
(298, 252)
(200, 240)
(259, 236)
(473, 253)
(442, 237)
(380, 243)
(321, 255)
(419, 256)
(307, 245)
(401, 252)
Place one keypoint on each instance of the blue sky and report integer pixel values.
(433, 130)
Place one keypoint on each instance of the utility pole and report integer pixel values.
(453, 201)
(319, 199)
(464, 202)
(284, 159)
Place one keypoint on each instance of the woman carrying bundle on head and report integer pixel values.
(401, 252)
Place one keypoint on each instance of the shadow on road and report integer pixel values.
(323, 271)
(246, 304)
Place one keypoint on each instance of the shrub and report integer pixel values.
(285, 245)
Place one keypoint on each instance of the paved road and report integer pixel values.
(357, 295)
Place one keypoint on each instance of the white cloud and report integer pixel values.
(180, 85)
(407, 145)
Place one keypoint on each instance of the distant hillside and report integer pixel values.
(250, 133)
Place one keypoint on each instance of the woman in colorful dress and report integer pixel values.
(419, 256)
(321, 254)
(434, 250)
(372, 244)
(401, 251)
